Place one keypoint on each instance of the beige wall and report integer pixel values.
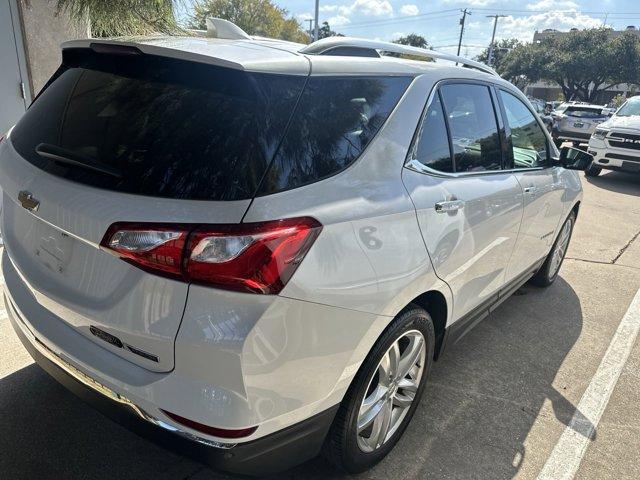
(43, 32)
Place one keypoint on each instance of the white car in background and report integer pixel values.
(615, 144)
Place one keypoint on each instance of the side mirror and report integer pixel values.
(574, 158)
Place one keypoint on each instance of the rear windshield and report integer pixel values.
(584, 112)
(163, 127)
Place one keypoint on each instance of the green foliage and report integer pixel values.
(112, 18)
(583, 63)
(413, 40)
(325, 31)
(500, 51)
(256, 17)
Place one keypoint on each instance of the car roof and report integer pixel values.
(267, 55)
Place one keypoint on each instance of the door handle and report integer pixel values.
(449, 206)
(531, 190)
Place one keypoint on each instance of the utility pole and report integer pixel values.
(315, 33)
(462, 20)
(493, 37)
(310, 20)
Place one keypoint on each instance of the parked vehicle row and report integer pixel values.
(258, 248)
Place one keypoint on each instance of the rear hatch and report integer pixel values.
(582, 119)
(121, 136)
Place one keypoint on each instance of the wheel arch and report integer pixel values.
(435, 303)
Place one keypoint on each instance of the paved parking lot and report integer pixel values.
(518, 396)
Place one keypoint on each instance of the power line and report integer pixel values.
(396, 20)
(507, 12)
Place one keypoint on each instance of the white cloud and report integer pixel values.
(552, 5)
(373, 8)
(303, 17)
(523, 27)
(338, 20)
(473, 3)
(328, 8)
(409, 9)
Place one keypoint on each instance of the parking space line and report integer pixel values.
(567, 455)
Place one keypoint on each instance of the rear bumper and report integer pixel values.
(269, 454)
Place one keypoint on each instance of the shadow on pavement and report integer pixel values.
(482, 400)
(620, 182)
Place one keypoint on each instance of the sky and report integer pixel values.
(438, 20)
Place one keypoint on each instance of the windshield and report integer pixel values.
(632, 107)
(584, 112)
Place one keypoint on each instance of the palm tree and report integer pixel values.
(110, 18)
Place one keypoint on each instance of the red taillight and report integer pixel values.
(213, 431)
(251, 257)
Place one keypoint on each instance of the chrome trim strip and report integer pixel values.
(102, 389)
(416, 166)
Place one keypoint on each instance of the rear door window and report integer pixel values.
(473, 126)
(170, 128)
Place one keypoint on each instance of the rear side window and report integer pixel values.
(474, 131)
(431, 147)
(170, 128)
(335, 120)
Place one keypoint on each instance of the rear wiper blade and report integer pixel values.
(69, 157)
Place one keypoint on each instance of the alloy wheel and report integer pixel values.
(391, 390)
(560, 249)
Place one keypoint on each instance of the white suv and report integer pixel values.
(258, 248)
(615, 144)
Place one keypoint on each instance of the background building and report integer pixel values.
(30, 38)
(546, 90)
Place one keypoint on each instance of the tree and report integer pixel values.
(110, 18)
(413, 40)
(256, 17)
(500, 51)
(582, 63)
(325, 31)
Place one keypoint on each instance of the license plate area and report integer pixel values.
(53, 248)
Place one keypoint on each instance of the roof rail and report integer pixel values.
(336, 44)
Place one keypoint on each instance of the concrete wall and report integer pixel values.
(43, 32)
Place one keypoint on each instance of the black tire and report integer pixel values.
(341, 446)
(592, 170)
(544, 276)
